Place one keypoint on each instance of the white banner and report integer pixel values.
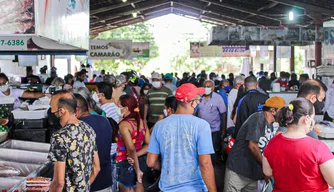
(283, 52)
(110, 50)
(328, 43)
(64, 21)
(264, 51)
(13, 43)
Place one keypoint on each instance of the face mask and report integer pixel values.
(4, 88)
(165, 112)
(53, 118)
(145, 92)
(156, 84)
(59, 88)
(208, 91)
(227, 88)
(283, 79)
(119, 113)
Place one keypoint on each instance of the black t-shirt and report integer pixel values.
(103, 130)
(241, 160)
(32, 78)
(264, 84)
(252, 102)
(293, 83)
(49, 80)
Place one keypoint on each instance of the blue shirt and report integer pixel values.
(210, 111)
(180, 139)
(224, 95)
(103, 132)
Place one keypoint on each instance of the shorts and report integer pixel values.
(126, 174)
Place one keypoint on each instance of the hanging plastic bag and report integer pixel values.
(267, 187)
(230, 143)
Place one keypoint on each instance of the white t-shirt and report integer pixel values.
(232, 96)
(78, 84)
(16, 93)
(111, 111)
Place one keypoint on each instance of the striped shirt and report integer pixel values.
(111, 111)
(156, 101)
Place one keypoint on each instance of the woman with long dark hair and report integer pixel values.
(132, 142)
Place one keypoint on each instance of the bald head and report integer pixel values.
(63, 99)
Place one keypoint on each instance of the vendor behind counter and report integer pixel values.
(6, 91)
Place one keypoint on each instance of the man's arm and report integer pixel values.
(255, 150)
(207, 172)
(58, 181)
(153, 161)
(96, 167)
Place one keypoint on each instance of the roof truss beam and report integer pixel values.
(127, 11)
(305, 6)
(237, 8)
(112, 7)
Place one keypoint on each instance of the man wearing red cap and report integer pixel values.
(184, 143)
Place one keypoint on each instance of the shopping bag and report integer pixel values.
(267, 187)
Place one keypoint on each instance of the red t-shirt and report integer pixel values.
(295, 163)
(283, 83)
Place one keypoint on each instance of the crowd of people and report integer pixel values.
(130, 125)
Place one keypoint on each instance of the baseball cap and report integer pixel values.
(275, 102)
(187, 92)
(168, 76)
(156, 76)
(120, 79)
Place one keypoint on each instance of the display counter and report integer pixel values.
(288, 96)
(29, 158)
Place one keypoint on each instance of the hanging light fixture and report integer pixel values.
(291, 16)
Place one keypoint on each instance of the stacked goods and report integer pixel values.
(38, 184)
(6, 171)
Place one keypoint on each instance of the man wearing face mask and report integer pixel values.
(73, 148)
(210, 109)
(184, 143)
(104, 92)
(244, 164)
(155, 100)
(314, 91)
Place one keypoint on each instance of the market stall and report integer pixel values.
(20, 160)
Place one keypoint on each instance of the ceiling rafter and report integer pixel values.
(114, 6)
(134, 21)
(123, 11)
(241, 9)
(305, 6)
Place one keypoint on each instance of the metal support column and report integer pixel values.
(292, 59)
(275, 58)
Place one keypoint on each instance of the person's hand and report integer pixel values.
(130, 160)
(48, 95)
(3, 122)
(266, 178)
(140, 176)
